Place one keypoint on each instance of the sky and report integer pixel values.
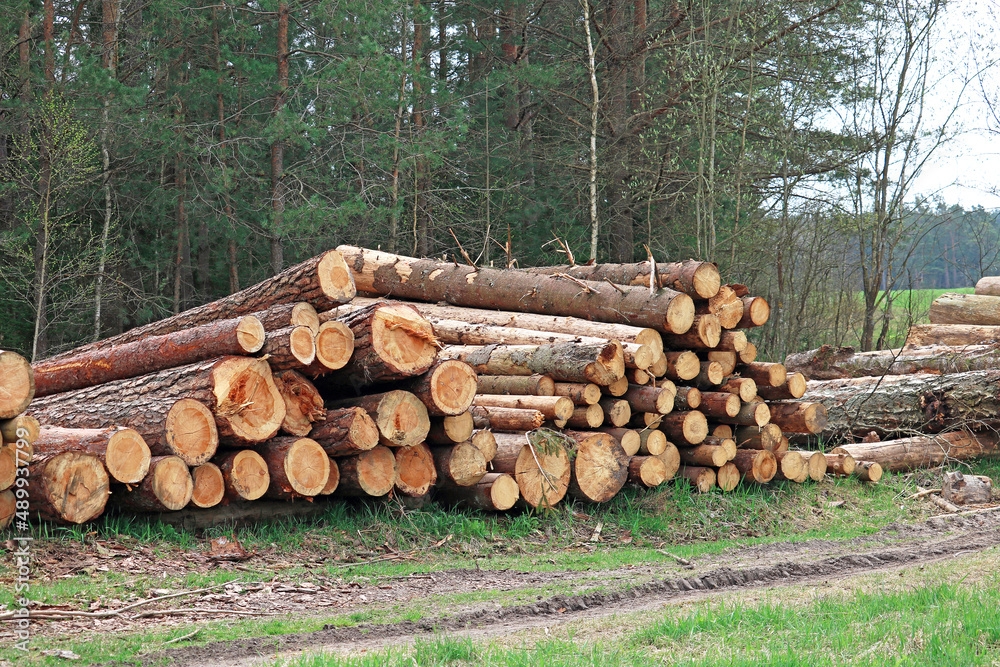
(966, 171)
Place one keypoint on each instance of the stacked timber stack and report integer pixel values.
(931, 401)
(436, 379)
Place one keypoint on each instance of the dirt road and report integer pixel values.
(598, 594)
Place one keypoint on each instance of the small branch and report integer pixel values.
(565, 276)
(464, 254)
(183, 637)
(620, 290)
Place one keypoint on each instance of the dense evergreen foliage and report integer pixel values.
(155, 154)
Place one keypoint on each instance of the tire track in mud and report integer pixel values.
(965, 535)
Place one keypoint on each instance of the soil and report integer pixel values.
(590, 594)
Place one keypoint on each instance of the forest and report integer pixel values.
(157, 154)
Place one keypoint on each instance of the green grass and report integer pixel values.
(910, 307)
(945, 624)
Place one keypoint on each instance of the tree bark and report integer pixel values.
(296, 467)
(553, 407)
(951, 334)
(523, 385)
(245, 474)
(239, 391)
(965, 309)
(758, 466)
(167, 488)
(537, 322)
(700, 477)
(829, 363)
(510, 419)
(237, 336)
(719, 405)
(290, 348)
(447, 431)
(281, 316)
(17, 384)
(323, 281)
(564, 362)
(401, 417)
(698, 279)
(345, 432)
(925, 451)
(122, 450)
(427, 280)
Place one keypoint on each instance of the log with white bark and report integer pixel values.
(951, 308)
(921, 335)
(565, 362)
(382, 273)
(699, 279)
(830, 363)
(925, 451)
(906, 404)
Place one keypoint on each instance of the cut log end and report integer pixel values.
(728, 477)
(680, 314)
(406, 340)
(648, 471)
(504, 492)
(335, 278)
(8, 506)
(21, 427)
(247, 400)
(371, 473)
(250, 334)
(702, 478)
(209, 486)
(191, 432)
(332, 480)
(17, 384)
(305, 315)
(306, 467)
(127, 456)
(73, 487)
(415, 471)
(245, 473)
(171, 482)
(452, 386)
(334, 346)
(706, 280)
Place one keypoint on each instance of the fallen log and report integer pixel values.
(700, 477)
(728, 477)
(617, 412)
(495, 492)
(334, 342)
(208, 486)
(370, 473)
(123, 452)
(428, 280)
(904, 404)
(988, 286)
(392, 341)
(448, 388)
(647, 471)
(17, 384)
(564, 362)
(687, 398)
(401, 417)
(763, 437)
(726, 358)
(765, 374)
(324, 281)
(415, 471)
(245, 474)
(345, 431)
(839, 463)
(22, 427)
(794, 387)
(459, 428)
(652, 442)
(296, 467)
(484, 440)
(699, 279)
(671, 460)
(300, 313)
(462, 464)
(236, 336)
(521, 385)
(600, 466)
(924, 451)
(553, 407)
(8, 507)
(756, 465)
(8, 466)
(705, 332)
(868, 471)
(797, 417)
(951, 308)
(167, 488)
(333, 480)
(921, 335)
(650, 399)
(629, 439)
(535, 322)
(539, 463)
(828, 363)
(239, 391)
(745, 388)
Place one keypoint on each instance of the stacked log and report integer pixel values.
(364, 374)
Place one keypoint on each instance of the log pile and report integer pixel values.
(364, 374)
(931, 401)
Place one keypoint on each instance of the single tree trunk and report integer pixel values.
(924, 451)
(290, 348)
(391, 341)
(237, 336)
(951, 334)
(565, 362)
(122, 450)
(700, 477)
(600, 466)
(647, 471)
(71, 487)
(756, 465)
(965, 309)
(446, 431)
(238, 390)
(401, 417)
(495, 492)
(296, 467)
(828, 363)
(278, 145)
(698, 279)
(539, 464)
(345, 432)
(426, 280)
(167, 488)
(209, 486)
(448, 388)
(370, 473)
(462, 464)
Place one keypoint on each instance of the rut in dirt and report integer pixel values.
(921, 543)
